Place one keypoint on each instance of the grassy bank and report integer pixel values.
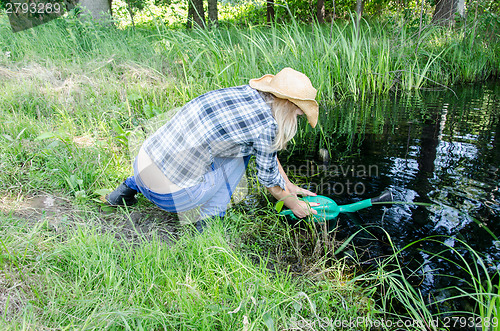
(71, 94)
(81, 276)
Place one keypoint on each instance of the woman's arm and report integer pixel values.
(294, 189)
(289, 197)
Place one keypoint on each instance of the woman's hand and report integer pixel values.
(301, 208)
(296, 190)
(289, 197)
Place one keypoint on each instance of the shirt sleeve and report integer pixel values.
(266, 159)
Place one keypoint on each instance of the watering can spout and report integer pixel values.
(385, 197)
(352, 207)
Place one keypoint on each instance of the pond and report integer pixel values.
(437, 148)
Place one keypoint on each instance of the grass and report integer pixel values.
(478, 296)
(72, 95)
(85, 277)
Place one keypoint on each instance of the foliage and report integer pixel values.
(254, 12)
(138, 4)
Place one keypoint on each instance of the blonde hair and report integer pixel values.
(284, 114)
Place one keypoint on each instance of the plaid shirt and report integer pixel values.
(230, 122)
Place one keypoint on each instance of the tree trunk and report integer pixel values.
(131, 13)
(474, 31)
(359, 11)
(444, 12)
(420, 25)
(213, 13)
(100, 10)
(196, 13)
(333, 19)
(189, 22)
(461, 7)
(320, 11)
(270, 11)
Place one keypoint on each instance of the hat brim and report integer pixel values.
(308, 106)
(310, 109)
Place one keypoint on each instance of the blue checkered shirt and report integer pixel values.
(230, 122)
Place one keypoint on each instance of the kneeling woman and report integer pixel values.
(199, 156)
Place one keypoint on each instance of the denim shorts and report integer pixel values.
(212, 195)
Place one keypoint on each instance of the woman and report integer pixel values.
(200, 155)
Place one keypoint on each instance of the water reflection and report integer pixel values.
(432, 147)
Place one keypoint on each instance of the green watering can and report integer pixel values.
(329, 210)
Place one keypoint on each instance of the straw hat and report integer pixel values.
(291, 85)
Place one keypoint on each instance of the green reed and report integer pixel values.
(350, 62)
(399, 300)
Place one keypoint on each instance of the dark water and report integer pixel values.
(435, 147)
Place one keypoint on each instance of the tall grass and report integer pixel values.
(89, 277)
(400, 300)
(346, 63)
(350, 64)
(480, 287)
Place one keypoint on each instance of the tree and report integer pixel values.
(359, 11)
(196, 13)
(213, 13)
(444, 12)
(100, 10)
(270, 11)
(132, 5)
(320, 11)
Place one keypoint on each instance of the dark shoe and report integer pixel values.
(122, 196)
(200, 225)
